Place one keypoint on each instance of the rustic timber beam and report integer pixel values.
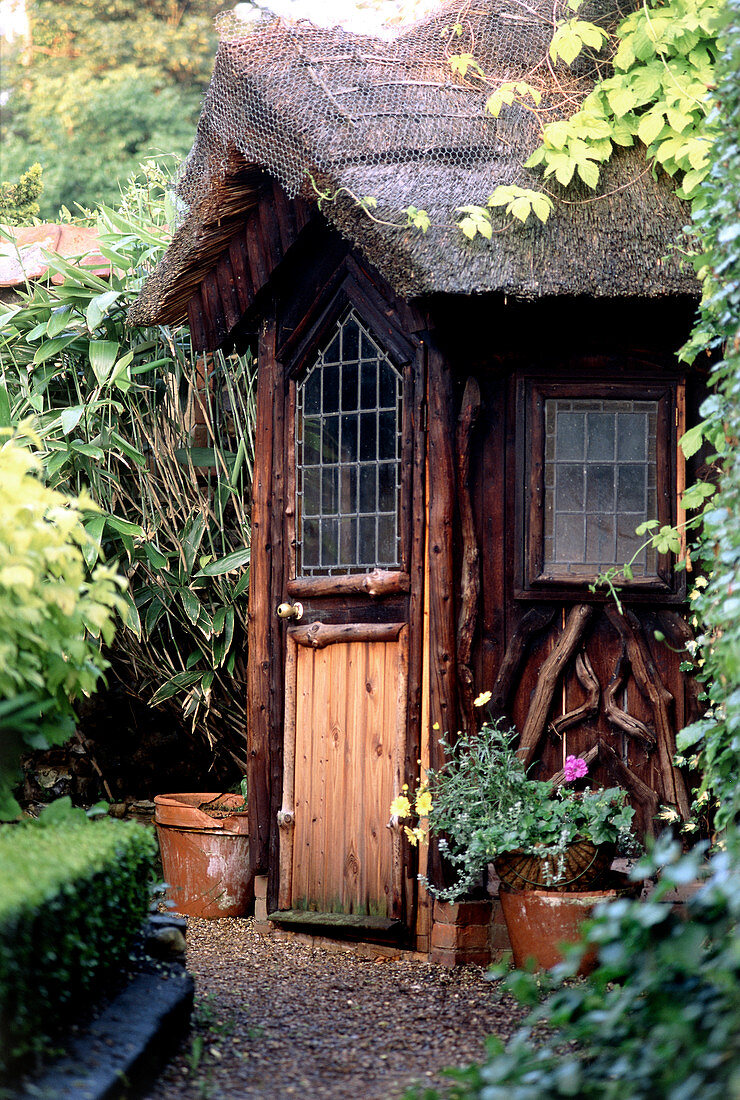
(379, 582)
(548, 679)
(619, 718)
(470, 574)
(588, 681)
(320, 635)
(651, 686)
(533, 623)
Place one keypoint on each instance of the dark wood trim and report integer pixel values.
(620, 719)
(197, 322)
(470, 569)
(442, 580)
(277, 587)
(379, 582)
(590, 706)
(260, 626)
(341, 292)
(320, 635)
(239, 261)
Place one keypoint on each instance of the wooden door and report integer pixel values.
(347, 650)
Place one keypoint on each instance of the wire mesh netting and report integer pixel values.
(308, 102)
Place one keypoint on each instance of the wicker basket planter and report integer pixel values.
(584, 866)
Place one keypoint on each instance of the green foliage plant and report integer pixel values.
(481, 804)
(73, 895)
(19, 202)
(163, 443)
(660, 1016)
(54, 614)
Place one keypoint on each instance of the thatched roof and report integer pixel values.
(322, 108)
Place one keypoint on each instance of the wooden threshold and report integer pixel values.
(356, 926)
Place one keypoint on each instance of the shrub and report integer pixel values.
(660, 1016)
(72, 897)
(51, 613)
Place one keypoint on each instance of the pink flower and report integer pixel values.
(575, 768)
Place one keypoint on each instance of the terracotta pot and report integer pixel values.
(205, 853)
(539, 922)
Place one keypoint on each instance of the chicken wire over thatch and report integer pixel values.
(328, 109)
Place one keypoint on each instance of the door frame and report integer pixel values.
(282, 356)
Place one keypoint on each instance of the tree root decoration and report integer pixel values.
(588, 681)
(549, 677)
(619, 718)
(652, 688)
(533, 623)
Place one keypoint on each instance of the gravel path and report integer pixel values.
(275, 1018)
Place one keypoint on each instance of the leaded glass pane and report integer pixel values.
(600, 484)
(348, 456)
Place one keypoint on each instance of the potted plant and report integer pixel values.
(204, 843)
(552, 845)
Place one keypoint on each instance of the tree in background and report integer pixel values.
(97, 86)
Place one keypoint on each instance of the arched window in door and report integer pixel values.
(348, 456)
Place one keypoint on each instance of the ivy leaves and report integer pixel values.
(658, 94)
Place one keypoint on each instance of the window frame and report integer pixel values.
(532, 393)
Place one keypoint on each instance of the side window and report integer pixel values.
(348, 456)
(599, 461)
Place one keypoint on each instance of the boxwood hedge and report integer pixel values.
(72, 898)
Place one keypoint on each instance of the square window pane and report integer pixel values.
(570, 435)
(570, 543)
(311, 441)
(329, 489)
(386, 540)
(329, 542)
(310, 547)
(311, 490)
(369, 386)
(330, 439)
(600, 488)
(368, 499)
(386, 487)
(368, 548)
(599, 436)
(349, 439)
(388, 387)
(348, 489)
(600, 543)
(569, 488)
(631, 489)
(368, 437)
(330, 394)
(349, 387)
(348, 540)
(387, 437)
(632, 436)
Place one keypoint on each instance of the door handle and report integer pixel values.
(290, 611)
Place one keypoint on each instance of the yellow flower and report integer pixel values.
(482, 699)
(435, 726)
(423, 802)
(400, 806)
(414, 836)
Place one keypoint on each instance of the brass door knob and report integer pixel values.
(290, 611)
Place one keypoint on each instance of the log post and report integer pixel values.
(470, 571)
